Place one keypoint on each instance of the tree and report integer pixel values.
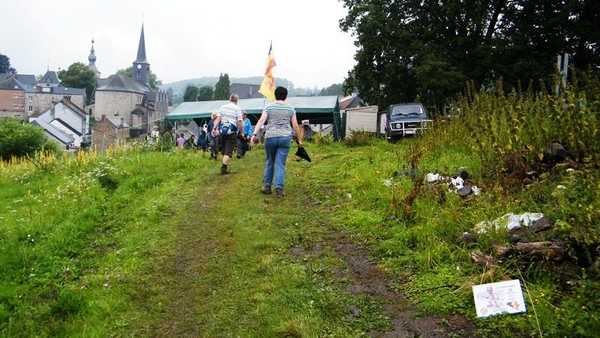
(222, 88)
(20, 140)
(191, 94)
(155, 83)
(333, 90)
(78, 75)
(5, 67)
(205, 93)
(429, 49)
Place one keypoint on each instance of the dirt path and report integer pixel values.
(369, 280)
(182, 275)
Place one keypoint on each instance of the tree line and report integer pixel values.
(412, 50)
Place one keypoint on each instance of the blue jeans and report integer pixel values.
(277, 150)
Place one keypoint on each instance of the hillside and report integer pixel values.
(372, 238)
(179, 86)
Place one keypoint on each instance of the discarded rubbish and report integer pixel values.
(509, 221)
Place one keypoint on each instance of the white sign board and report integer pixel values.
(496, 298)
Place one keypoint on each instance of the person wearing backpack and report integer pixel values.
(229, 120)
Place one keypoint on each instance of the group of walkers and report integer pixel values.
(230, 129)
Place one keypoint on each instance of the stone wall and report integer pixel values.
(120, 104)
(43, 101)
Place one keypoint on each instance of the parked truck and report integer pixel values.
(405, 119)
(400, 120)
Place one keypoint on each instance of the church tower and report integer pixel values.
(141, 67)
(92, 60)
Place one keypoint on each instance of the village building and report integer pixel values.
(47, 92)
(109, 132)
(12, 98)
(130, 98)
(246, 91)
(23, 97)
(66, 124)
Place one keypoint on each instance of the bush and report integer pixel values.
(21, 140)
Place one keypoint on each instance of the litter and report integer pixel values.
(509, 221)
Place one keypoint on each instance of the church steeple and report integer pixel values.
(92, 60)
(141, 66)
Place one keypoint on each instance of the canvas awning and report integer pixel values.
(318, 105)
(317, 109)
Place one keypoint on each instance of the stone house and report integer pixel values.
(12, 99)
(131, 98)
(39, 95)
(47, 92)
(246, 91)
(109, 132)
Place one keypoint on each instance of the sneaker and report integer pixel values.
(279, 192)
(238, 156)
(266, 190)
(224, 170)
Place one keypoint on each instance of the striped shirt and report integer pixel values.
(279, 116)
(230, 113)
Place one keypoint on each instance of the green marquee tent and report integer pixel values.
(316, 109)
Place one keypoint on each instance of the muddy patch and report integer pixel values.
(367, 279)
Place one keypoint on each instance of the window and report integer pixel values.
(15, 96)
(30, 109)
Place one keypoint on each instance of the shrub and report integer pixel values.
(21, 140)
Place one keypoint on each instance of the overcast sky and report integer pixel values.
(185, 39)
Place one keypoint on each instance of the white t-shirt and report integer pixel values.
(230, 114)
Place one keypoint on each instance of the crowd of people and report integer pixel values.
(229, 130)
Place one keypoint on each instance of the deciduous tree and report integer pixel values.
(429, 49)
(205, 93)
(191, 94)
(78, 75)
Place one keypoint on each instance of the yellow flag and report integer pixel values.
(267, 88)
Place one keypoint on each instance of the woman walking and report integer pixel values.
(281, 119)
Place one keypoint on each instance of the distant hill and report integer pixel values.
(180, 86)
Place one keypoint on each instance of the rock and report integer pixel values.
(468, 237)
(542, 224)
(464, 190)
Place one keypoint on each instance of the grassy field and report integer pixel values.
(149, 243)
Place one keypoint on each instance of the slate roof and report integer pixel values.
(141, 54)
(50, 78)
(68, 91)
(350, 102)
(48, 116)
(120, 83)
(76, 109)
(50, 129)
(26, 80)
(11, 84)
(116, 121)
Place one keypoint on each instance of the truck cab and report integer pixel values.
(405, 119)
